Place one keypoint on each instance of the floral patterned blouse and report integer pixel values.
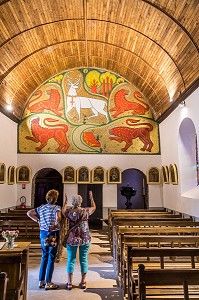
(80, 235)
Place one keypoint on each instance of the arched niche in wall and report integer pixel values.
(43, 181)
(137, 180)
(187, 155)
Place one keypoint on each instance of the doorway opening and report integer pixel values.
(44, 180)
(95, 221)
(137, 180)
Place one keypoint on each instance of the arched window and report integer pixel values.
(197, 162)
(187, 155)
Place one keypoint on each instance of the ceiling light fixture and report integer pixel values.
(182, 104)
(9, 107)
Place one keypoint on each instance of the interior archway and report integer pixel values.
(43, 181)
(136, 179)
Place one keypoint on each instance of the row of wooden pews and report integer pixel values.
(14, 263)
(17, 219)
(154, 241)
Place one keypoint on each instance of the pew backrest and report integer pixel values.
(147, 278)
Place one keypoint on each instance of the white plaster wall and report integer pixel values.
(59, 161)
(169, 131)
(8, 156)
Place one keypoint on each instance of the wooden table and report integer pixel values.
(11, 261)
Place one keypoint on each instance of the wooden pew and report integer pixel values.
(158, 209)
(157, 278)
(15, 264)
(115, 215)
(120, 211)
(8, 216)
(128, 219)
(142, 220)
(13, 213)
(119, 248)
(124, 213)
(3, 285)
(155, 246)
(136, 213)
(147, 215)
(19, 210)
(157, 241)
(28, 229)
(152, 222)
(29, 232)
(157, 258)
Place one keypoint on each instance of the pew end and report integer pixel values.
(3, 285)
(15, 266)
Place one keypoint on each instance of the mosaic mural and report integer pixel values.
(88, 111)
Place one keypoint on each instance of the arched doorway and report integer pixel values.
(137, 180)
(43, 181)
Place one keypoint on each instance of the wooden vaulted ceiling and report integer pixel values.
(154, 44)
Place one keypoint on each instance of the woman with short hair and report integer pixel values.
(78, 237)
(48, 216)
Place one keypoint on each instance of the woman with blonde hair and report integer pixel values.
(78, 237)
(48, 217)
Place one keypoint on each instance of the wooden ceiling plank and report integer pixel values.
(152, 42)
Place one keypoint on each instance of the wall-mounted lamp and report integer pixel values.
(182, 104)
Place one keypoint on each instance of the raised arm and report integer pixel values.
(64, 208)
(93, 206)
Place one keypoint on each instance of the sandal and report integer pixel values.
(51, 286)
(42, 284)
(69, 286)
(82, 285)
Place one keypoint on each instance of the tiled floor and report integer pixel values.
(101, 281)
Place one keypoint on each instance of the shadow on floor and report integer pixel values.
(106, 294)
(104, 272)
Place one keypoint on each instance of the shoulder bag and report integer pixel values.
(69, 230)
(51, 239)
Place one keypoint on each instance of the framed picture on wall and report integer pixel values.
(98, 175)
(69, 175)
(11, 175)
(173, 174)
(83, 175)
(153, 176)
(114, 175)
(23, 174)
(2, 172)
(165, 174)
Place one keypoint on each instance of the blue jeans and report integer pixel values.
(83, 257)
(48, 258)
